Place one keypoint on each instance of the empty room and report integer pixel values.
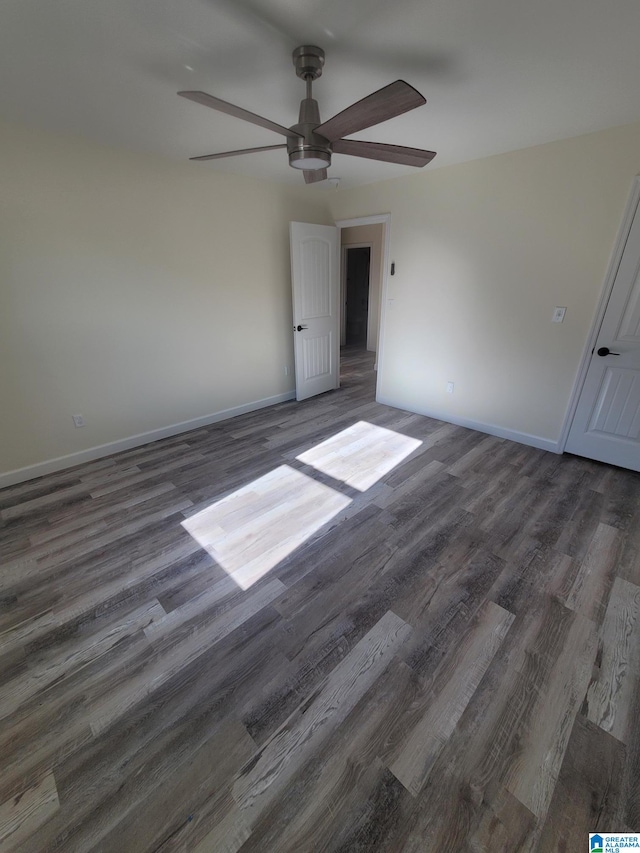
(319, 426)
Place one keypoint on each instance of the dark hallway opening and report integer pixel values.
(357, 296)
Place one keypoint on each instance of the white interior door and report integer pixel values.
(606, 425)
(316, 311)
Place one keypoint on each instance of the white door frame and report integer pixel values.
(612, 269)
(383, 219)
(343, 288)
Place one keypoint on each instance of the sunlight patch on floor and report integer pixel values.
(360, 455)
(252, 530)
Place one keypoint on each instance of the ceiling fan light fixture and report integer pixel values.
(310, 160)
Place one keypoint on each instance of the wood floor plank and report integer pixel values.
(71, 659)
(263, 714)
(589, 592)
(26, 631)
(180, 786)
(227, 836)
(215, 595)
(71, 494)
(140, 571)
(629, 558)
(532, 571)
(96, 537)
(630, 796)
(158, 472)
(22, 814)
(334, 791)
(610, 696)
(162, 735)
(342, 544)
(530, 698)
(620, 490)
(588, 790)
(286, 752)
(532, 780)
(580, 528)
(440, 597)
(41, 733)
(474, 457)
(63, 525)
(411, 483)
(451, 692)
(12, 495)
(464, 799)
(517, 699)
(178, 655)
(325, 586)
(505, 825)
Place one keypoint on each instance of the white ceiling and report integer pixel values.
(498, 74)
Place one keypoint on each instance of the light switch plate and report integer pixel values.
(558, 314)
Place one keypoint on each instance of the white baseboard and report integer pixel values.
(490, 429)
(50, 466)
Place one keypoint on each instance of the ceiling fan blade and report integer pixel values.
(391, 101)
(312, 177)
(232, 110)
(239, 151)
(382, 151)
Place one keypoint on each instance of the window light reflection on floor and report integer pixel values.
(360, 455)
(251, 530)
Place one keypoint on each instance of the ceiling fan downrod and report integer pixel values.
(309, 151)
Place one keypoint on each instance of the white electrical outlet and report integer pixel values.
(558, 314)
(450, 387)
(286, 370)
(78, 420)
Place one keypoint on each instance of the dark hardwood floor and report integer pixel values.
(448, 659)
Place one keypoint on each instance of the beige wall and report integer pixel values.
(369, 234)
(135, 291)
(143, 293)
(483, 253)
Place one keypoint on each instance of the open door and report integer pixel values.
(316, 311)
(606, 424)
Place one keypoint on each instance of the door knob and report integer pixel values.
(606, 351)
(300, 328)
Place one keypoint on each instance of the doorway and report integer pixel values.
(355, 314)
(369, 236)
(363, 359)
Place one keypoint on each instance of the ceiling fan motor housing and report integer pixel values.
(308, 60)
(309, 151)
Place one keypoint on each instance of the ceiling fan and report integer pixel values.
(310, 143)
